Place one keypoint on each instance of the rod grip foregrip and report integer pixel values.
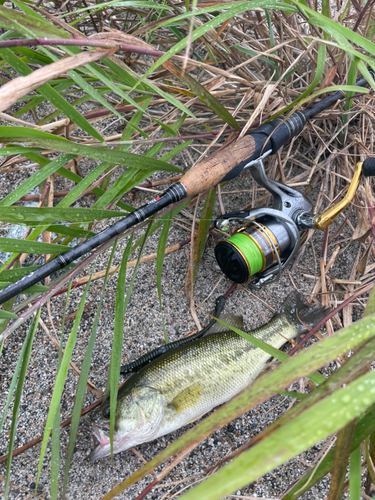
(208, 173)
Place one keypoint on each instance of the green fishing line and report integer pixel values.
(250, 250)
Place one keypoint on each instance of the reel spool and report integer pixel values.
(253, 249)
(270, 237)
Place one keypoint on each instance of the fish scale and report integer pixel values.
(187, 382)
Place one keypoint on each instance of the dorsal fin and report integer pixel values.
(231, 319)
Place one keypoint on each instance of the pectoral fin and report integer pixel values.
(187, 398)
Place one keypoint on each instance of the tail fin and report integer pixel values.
(298, 313)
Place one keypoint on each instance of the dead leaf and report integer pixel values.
(120, 38)
(361, 268)
(361, 228)
(21, 86)
(363, 237)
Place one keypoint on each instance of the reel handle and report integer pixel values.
(367, 168)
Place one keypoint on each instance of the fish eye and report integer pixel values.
(106, 412)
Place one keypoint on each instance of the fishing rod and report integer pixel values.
(223, 166)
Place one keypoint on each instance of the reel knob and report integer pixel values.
(368, 167)
(232, 262)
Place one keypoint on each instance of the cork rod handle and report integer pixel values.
(208, 173)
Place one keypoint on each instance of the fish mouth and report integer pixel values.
(102, 442)
(102, 445)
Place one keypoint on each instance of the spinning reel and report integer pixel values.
(270, 237)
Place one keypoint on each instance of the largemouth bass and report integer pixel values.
(187, 382)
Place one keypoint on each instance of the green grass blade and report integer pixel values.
(36, 179)
(46, 164)
(352, 76)
(55, 455)
(28, 133)
(272, 41)
(7, 315)
(171, 154)
(7, 307)
(335, 29)
(205, 10)
(252, 53)
(119, 3)
(317, 378)
(291, 439)
(12, 245)
(321, 62)
(68, 174)
(32, 289)
(203, 228)
(81, 389)
(116, 157)
(340, 463)
(67, 231)
(147, 85)
(15, 377)
(60, 380)
(17, 150)
(235, 9)
(55, 445)
(118, 333)
(86, 87)
(16, 274)
(82, 185)
(355, 474)
(118, 188)
(17, 399)
(121, 306)
(119, 320)
(127, 180)
(370, 306)
(157, 224)
(90, 90)
(102, 76)
(18, 23)
(204, 96)
(159, 263)
(24, 215)
(363, 428)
